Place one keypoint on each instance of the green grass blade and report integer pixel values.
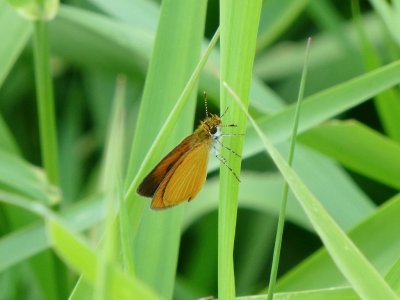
(7, 141)
(353, 145)
(276, 16)
(157, 45)
(19, 176)
(47, 122)
(382, 250)
(352, 263)
(89, 213)
(15, 33)
(175, 55)
(328, 17)
(110, 185)
(261, 193)
(103, 45)
(324, 105)
(172, 118)
(46, 268)
(284, 61)
(389, 16)
(137, 13)
(343, 293)
(36, 10)
(31, 240)
(282, 211)
(45, 101)
(315, 169)
(103, 41)
(388, 108)
(84, 260)
(135, 207)
(239, 25)
(393, 276)
(76, 253)
(387, 103)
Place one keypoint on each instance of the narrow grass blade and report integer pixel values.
(352, 263)
(282, 211)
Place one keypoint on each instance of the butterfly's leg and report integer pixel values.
(223, 160)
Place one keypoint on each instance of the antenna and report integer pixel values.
(205, 102)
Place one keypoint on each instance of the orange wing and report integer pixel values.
(185, 180)
(153, 180)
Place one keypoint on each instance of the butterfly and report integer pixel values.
(181, 174)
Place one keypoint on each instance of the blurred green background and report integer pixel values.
(348, 153)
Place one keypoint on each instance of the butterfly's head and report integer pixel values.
(212, 126)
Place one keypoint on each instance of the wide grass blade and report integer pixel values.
(387, 103)
(175, 54)
(239, 25)
(79, 255)
(353, 145)
(45, 101)
(110, 185)
(15, 33)
(31, 240)
(84, 260)
(19, 176)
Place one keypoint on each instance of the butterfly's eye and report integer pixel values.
(213, 130)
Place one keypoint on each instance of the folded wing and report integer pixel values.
(184, 180)
(153, 180)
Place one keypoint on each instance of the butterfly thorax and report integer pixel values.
(209, 129)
